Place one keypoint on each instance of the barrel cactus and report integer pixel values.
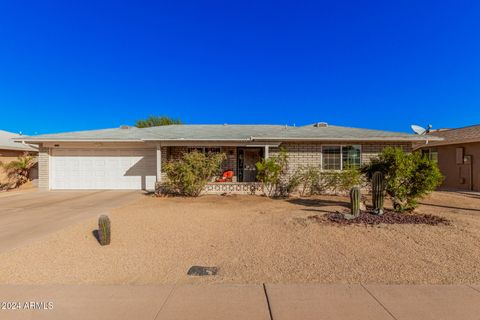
(378, 192)
(104, 230)
(355, 197)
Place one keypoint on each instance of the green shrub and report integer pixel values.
(342, 181)
(409, 176)
(272, 173)
(307, 178)
(292, 183)
(310, 180)
(189, 175)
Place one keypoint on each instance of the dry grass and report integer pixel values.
(252, 240)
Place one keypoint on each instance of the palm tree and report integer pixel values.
(18, 171)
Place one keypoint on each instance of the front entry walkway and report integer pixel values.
(252, 302)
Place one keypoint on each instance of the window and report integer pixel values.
(432, 154)
(341, 157)
(332, 158)
(351, 156)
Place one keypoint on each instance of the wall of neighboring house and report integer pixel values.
(7, 156)
(460, 165)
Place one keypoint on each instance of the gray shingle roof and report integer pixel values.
(230, 133)
(7, 142)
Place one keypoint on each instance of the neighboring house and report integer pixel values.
(132, 158)
(458, 156)
(10, 151)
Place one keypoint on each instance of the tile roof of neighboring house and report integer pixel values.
(454, 136)
(7, 142)
(230, 133)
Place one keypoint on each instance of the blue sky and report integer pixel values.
(78, 65)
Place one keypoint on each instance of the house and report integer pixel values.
(10, 150)
(132, 158)
(458, 156)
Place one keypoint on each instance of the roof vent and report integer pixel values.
(124, 127)
(321, 125)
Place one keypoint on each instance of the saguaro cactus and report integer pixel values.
(355, 197)
(378, 192)
(104, 230)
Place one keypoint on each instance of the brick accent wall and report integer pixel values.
(371, 150)
(310, 154)
(300, 154)
(43, 168)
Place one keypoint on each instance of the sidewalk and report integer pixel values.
(251, 302)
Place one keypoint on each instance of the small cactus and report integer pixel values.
(378, 192)
(355, 197)
(104, 230)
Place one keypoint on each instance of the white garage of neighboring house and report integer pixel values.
(132, 158)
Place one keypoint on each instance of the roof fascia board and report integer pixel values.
(170, 143)
(345, 139)
(29, 141)
(448, 143)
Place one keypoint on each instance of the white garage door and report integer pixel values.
(103, 169)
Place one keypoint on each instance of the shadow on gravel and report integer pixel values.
(318, 203)
(447, 207)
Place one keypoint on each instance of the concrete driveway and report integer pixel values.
(27, 216)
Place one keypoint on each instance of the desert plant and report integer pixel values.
(18, 171)
(355, 198)
(408, 176)
(189, 175)
(342, 181)
(308, 179)
(104, 230)
(292, 183)
(272, 173)
(378, 192)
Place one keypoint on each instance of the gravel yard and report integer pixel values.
(253, 239)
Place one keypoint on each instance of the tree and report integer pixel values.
(154, 121)
(409, 176)
(18, 171)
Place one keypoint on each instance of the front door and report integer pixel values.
(246, 160)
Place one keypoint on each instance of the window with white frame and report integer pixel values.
(341, 157)
(331, 158)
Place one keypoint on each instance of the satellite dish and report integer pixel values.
(420, 130)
